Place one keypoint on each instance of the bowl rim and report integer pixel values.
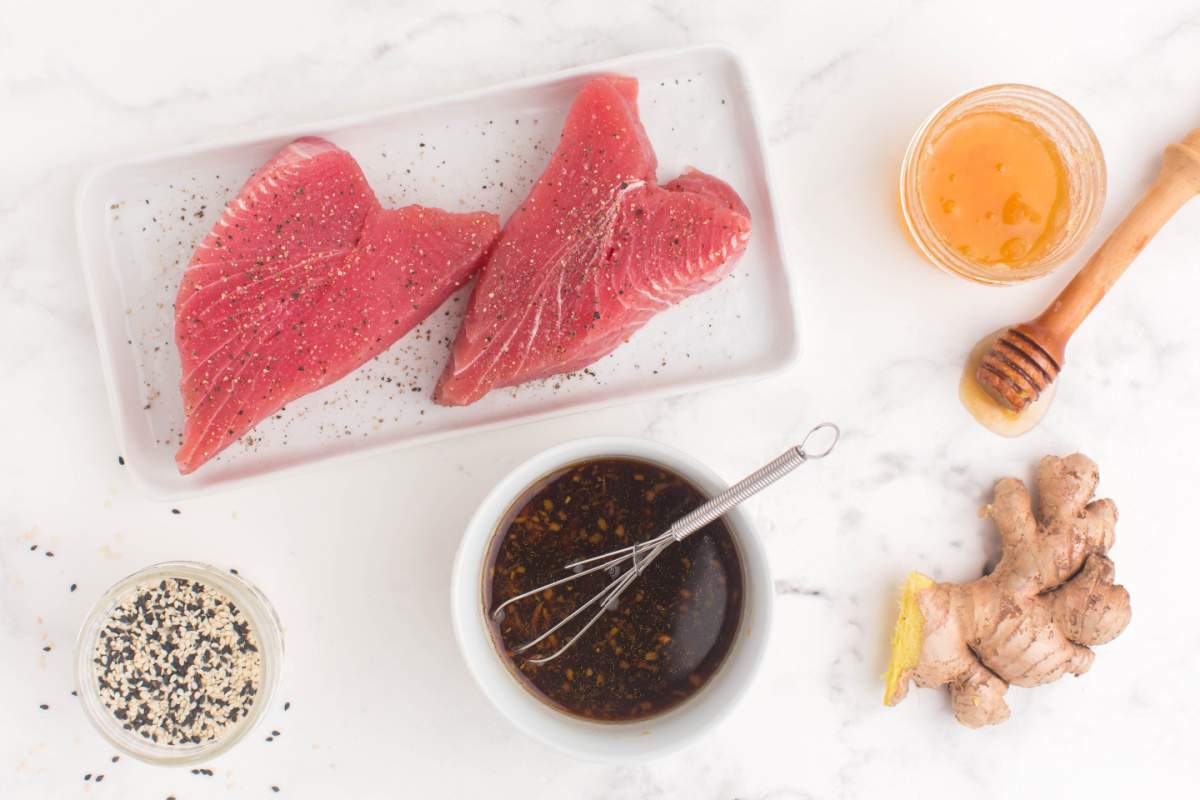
(609, 742)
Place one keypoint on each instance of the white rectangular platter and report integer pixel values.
(140, 220)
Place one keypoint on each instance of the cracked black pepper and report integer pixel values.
(177, 662)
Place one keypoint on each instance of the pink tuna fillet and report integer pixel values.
(594, 251)
(303, 279)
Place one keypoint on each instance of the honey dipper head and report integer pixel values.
(1016, 370)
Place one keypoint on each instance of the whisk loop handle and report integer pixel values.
(752, 484)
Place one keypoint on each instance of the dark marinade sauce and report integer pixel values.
(675, 624)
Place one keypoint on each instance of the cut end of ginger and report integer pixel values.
(907, 637)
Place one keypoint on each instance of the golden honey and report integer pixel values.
(986, 411)
(1002, 184)
(994, 188)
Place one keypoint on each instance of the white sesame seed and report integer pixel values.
(177, 662)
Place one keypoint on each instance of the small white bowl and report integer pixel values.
(613, 742)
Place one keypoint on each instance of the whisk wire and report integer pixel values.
(608, 598)
(611, 561)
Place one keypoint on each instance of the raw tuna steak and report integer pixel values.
(303, 279)
(594, 251)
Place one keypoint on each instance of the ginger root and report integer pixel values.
(1031, 619)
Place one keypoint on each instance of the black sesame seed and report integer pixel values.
(46, 649)
(177, 637)
(115, 759)
(87, 777)
(99, 778)
(32, 547)
(44, 707)
(287, 705)
(121, 460)
(276, 788)
(74, 586)
(49, 554)
(176, 511)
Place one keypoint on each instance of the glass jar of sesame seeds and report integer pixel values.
(177, 662)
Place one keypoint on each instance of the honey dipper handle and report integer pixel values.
(1178, 181)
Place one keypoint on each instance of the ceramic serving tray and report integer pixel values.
(140, 220)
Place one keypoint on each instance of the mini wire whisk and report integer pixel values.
(624, 566)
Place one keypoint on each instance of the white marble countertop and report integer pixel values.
(357, 557)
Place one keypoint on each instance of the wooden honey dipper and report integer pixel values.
(1027, 358)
